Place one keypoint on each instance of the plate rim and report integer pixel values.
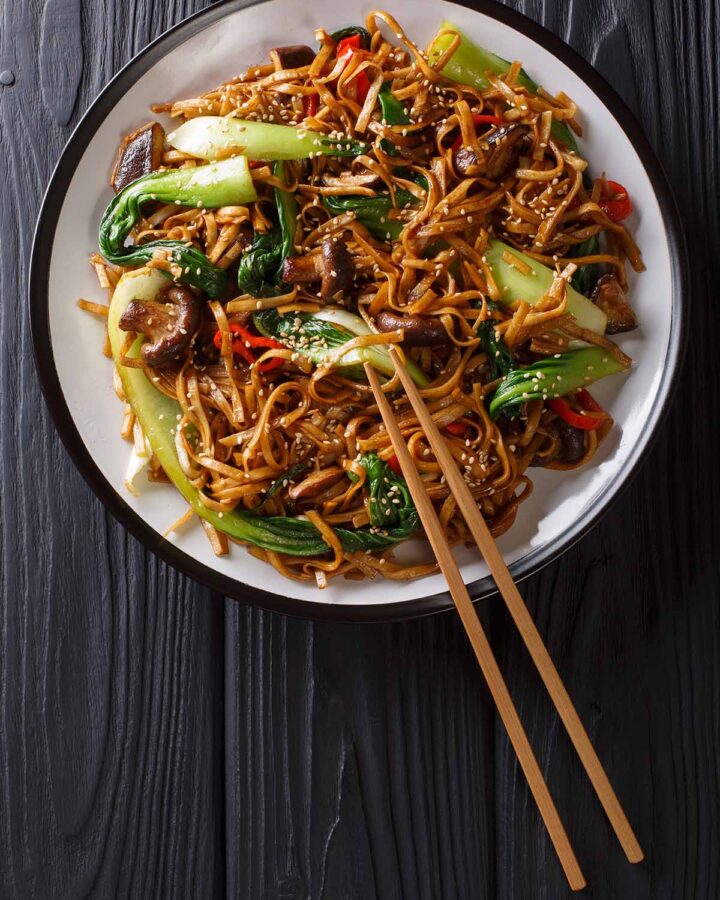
(38, 296)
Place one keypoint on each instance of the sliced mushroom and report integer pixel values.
(302, 269)
(571, 443)
(420, 331)
(350, 179)
(169, 322)
(294, 56)
(140, 153)
(316, 483)
(506, 144)
(467, 162)
(610, 297)
(500, 152)
(338, 273)
(333, 266)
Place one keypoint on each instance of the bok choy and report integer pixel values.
(393, 112)
(260, 269)
(500, 358)
(585, 279)
(514, 284)
(225, 183)
(469, 64)
(216, 137)
(552, 377)
(158, 417)
(387, 486)
(373, 212)
(318, 336)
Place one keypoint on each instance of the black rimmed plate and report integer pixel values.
(77, 380)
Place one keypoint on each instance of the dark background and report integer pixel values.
(157, 740)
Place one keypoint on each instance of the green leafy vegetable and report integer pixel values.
(470, 62)
(214, 137)
(258, 272)
(552, 377)
(260, 269)
(585, 278)
(501, 359)
(283, 481)
(158, 416)
(349, 31)
(373, 212)
(317, 335)
(225, 183)
(386, 487)
(393, 112)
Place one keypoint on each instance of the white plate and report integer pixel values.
(215, 45)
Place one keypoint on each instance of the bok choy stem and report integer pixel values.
(317, 335)
(225, 183)
(215, 137)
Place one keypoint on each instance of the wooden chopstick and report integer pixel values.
(525, 625)
(479, 641)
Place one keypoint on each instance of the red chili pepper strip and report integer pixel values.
(310, 105)
(394, 464)
(481, 119)
(577, 420)
(360, 83)
(477, 120)
(240, 346)
(362, 86)
(615, 201)
(456, 428)
(588, 402)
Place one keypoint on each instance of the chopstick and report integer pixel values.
(525, 625)
(479, 642)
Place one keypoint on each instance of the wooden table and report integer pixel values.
(159, 741)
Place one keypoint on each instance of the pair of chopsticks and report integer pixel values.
(516, 606)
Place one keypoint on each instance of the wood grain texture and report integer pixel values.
(359, 759)
(384, 773)
(111, 720)
(61, 57)
(144, 753)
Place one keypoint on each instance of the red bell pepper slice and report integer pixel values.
(310, 105)
(458, 429)
(240, 346)
(362, 86)
(394, 464)
(588, 402)
(477, 120)
(360, 82)
(347, 45)
(615, 201)
(579, 420)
